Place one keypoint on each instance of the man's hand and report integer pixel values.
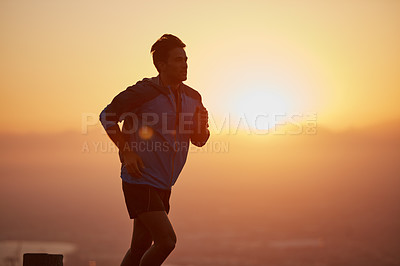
(201, 118)
(133, 163)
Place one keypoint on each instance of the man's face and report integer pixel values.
(176, 67)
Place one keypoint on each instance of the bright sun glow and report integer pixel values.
(263, 107)
(270, 90)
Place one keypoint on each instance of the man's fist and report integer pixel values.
(133, 163)
(201, 118)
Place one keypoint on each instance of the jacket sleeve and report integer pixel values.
(124, 102)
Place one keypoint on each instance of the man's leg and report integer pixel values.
(163, 234)
(141, 242)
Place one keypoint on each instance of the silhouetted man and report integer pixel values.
(161, 116)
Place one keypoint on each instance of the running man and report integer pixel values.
(161, 116)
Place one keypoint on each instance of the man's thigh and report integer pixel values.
(141, 237)
(159, 225)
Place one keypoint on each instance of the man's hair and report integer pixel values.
(160, 49)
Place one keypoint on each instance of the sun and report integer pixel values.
(262, 107)
(267, 92)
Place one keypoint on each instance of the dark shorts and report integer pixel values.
(144, 198)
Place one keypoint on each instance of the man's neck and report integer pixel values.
(164, 81)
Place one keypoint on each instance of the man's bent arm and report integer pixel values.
(118, 138)
(201, 133)
(110, 125)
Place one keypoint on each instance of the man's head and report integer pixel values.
(169, 57)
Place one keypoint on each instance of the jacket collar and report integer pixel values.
(158, 81)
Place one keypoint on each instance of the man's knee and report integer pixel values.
(167, 244)
(142, 244)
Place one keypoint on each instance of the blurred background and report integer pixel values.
(302, 164)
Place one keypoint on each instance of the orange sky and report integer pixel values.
(334, 62)
(61, 60)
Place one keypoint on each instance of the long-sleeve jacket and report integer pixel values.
(158, 125)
